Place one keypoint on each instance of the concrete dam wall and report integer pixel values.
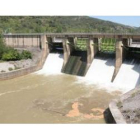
(23, 41)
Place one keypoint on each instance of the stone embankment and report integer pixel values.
(126, 109)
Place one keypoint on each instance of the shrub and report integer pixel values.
(26, 54)
(11, 54)
(2, 70)
(2, 46)
(10, 69)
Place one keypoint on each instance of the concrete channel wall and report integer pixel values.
(25, 71)
(22, 40)
(38, 66)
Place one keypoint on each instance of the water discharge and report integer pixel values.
(128, 76)
(53, 64)
(48, 96)
(101, 69)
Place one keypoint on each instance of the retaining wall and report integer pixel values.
(22, 40)
(25, 71)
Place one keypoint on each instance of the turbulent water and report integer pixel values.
(48, 96)
(53, 64)
(102, 68)
(128, 76)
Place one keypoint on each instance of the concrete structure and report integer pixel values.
(24, 71)
(68, 40)
(92, 49)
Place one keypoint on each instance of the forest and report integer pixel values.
(58, 24)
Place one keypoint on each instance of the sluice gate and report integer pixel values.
(77, 61)
(76, 64)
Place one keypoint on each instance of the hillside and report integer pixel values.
(36, 24)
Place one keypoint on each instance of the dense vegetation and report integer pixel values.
(81, 44)
(107, 44)
(36, 24)
(11, 54)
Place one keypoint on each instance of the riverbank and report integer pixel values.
(25, 63)
(127, 108)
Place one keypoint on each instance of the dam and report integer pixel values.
(64, 89)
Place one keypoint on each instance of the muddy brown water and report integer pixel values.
(52, 99)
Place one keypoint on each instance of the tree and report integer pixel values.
(2, 45)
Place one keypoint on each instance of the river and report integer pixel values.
(48, 96)
(52, 99)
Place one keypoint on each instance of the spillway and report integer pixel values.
(128, 76)
(102, 68)
(53, 64)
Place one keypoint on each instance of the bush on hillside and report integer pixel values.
(2, 46)
(26, 54)
(11, 55)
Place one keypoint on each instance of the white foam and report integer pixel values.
(128, 75)
(101, 71)
(53, 64)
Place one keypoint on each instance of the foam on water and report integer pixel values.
(100, 73)
(53, 64)
(128, 75)
(101, 70)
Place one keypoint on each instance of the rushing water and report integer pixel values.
(128, 76)
(48, 96)
(44, 97)
(102, 68)
(53, 64)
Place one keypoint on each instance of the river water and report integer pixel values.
(53, 97)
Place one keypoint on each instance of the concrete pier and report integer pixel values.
(119, 57)
(66, 50)
(92, 49)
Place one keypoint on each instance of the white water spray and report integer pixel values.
(53, 64)
(101, 70)
(128, 75)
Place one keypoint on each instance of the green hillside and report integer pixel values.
(36, 24)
